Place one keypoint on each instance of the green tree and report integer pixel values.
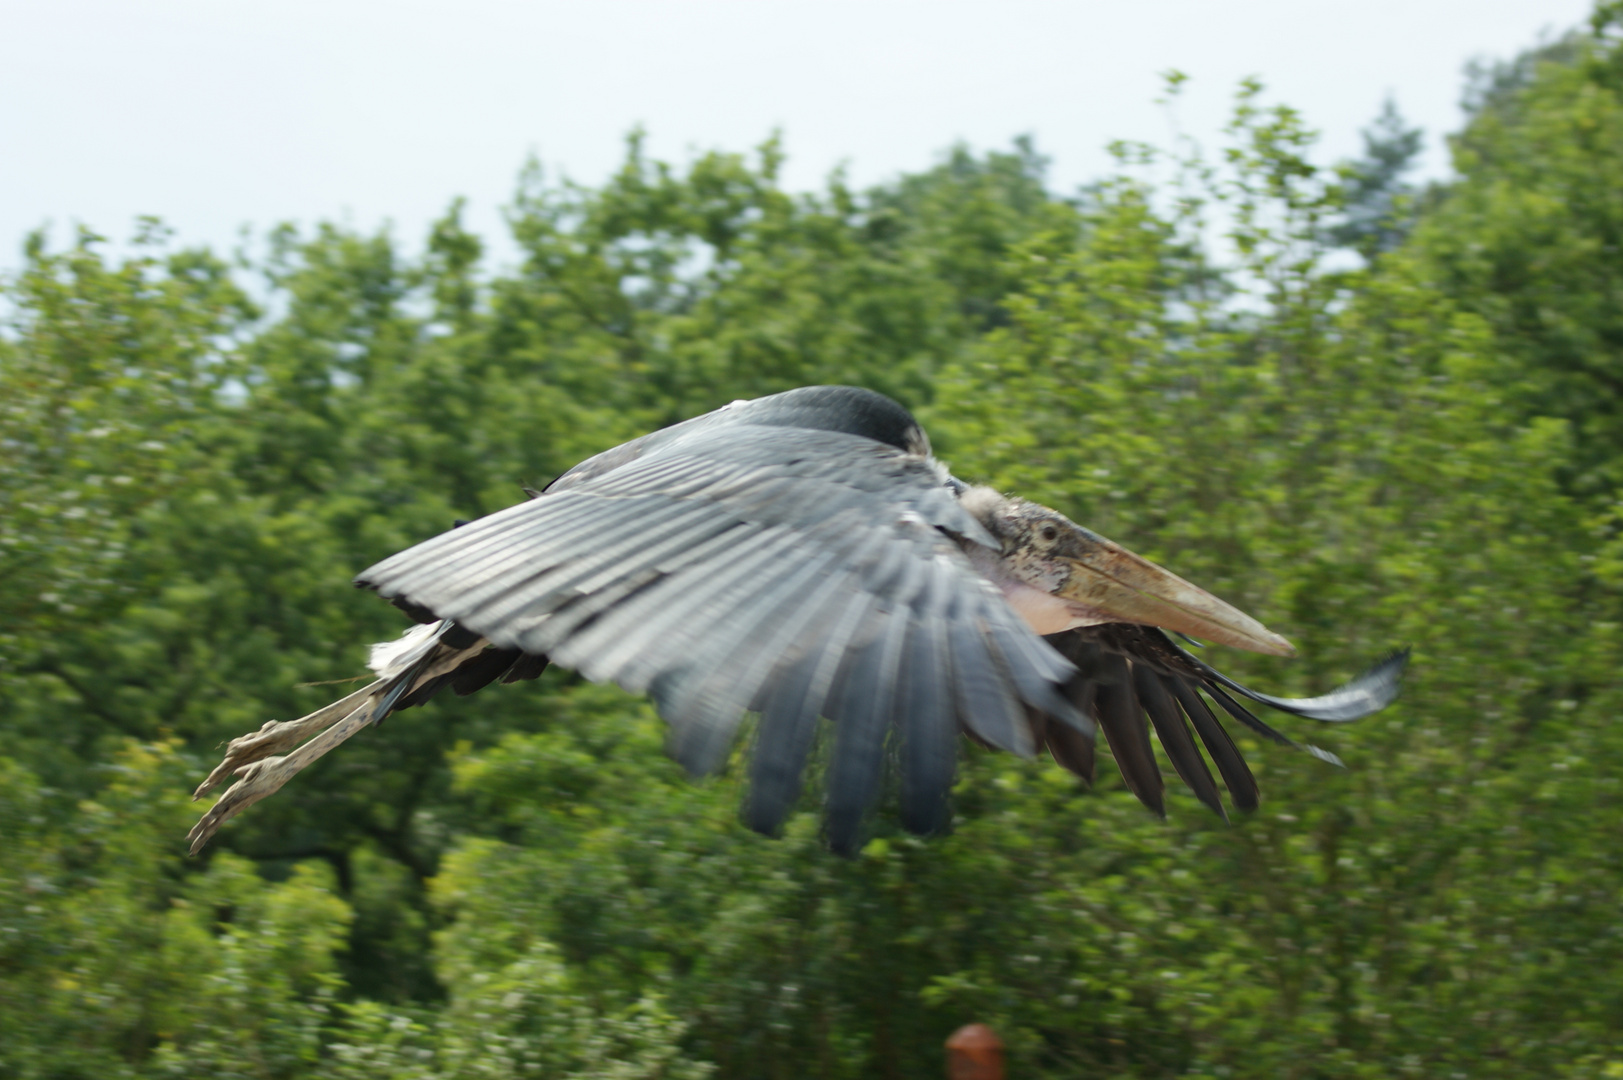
(1376, 217)
(120, 963)
(523, 885)
(1527, 239)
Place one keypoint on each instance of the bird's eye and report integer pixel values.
(1048, 532)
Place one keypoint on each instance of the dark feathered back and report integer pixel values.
(850, 410)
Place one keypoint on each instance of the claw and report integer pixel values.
(265, 776)
(277, 736)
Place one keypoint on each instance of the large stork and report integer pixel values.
(802, 556)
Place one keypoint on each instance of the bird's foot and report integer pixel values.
(260, 774)
(278, 736)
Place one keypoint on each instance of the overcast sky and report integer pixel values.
(218, 113)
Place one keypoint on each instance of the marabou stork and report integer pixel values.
(801, 556)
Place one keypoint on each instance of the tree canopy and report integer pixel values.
(195, 456)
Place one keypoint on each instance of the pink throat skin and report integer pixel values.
(1044, 612)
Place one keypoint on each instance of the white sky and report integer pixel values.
(217, 113)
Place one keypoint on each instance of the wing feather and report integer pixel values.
(986, 702)
(1119, 714)
(1225, 755)
(928, 722)
(616, 647)
(1244, 716)
(862, 713)
(794, 698)
(1072, 749)
(799, 572)
(1165, 714)
(1166, 678)
(723, 674)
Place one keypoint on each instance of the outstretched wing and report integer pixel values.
(795, 573)
(1130, 678)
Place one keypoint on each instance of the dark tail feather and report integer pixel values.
(527, 666)
(476, 674)
(404, 686)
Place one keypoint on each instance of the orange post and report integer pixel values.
(974, 1053)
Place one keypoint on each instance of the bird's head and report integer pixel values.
(1058, 575)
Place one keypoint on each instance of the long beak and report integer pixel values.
(1124, 587)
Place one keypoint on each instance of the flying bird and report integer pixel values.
(801, 556)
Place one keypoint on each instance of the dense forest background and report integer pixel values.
(1368, 413)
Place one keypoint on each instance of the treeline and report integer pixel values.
(1422, 450)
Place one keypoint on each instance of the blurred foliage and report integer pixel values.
(1529, 239)
(1378, 203)
(1421, 450)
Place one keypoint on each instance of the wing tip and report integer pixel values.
(1379, 684)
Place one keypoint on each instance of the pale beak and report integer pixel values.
(1123, 587)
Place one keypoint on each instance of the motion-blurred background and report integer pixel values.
(1365, 384)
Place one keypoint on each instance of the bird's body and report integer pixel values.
(803, 556)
